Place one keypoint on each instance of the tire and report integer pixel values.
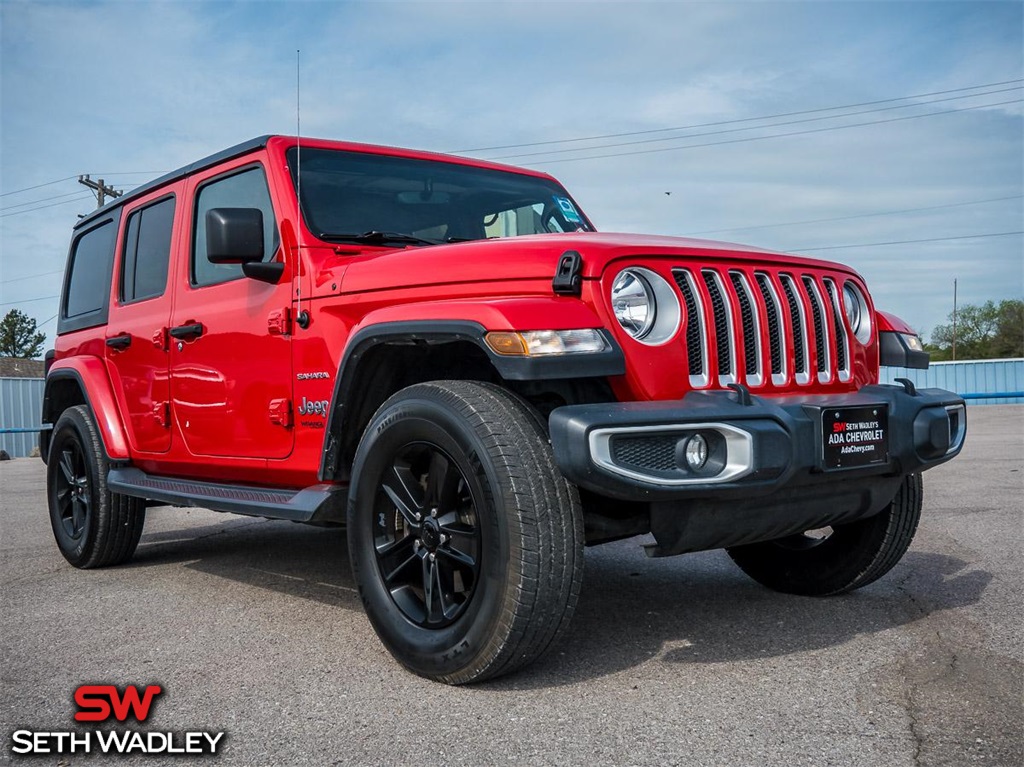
(502, 552)
(92, 526)
(847, 558)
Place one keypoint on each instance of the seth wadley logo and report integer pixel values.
(99, 703)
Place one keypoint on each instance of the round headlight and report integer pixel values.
(857, 313)
(633, 303)
(852, 307)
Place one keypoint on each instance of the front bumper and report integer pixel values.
(634, 451)
(769, 472)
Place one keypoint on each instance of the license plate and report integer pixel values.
(855, 436)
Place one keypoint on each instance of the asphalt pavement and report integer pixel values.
(253, 628)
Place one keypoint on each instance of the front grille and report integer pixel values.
(759, 326)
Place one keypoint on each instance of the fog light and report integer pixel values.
(696, 452)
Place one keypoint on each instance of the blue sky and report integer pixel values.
(127, 90)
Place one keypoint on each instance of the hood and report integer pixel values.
(526, 258)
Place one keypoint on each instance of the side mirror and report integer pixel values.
(234, 235)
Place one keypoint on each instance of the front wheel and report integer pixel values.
(466, 542)
(837, 559)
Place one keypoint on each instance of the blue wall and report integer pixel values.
(21, 407)
(969, 378)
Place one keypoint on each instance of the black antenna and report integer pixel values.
(302, 318)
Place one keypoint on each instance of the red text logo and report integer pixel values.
(838, 427)
(97, 702)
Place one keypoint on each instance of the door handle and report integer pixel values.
(120, 342)
(186, 332)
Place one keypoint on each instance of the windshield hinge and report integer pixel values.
(568, 281)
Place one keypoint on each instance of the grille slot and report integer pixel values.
(820, 339)
(695, 350)
(842, 341)
(774, 330)
(751, 331)
(798, 325)
(723, 325)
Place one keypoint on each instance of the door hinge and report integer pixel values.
(279, 323)
(162, 414)
(281, 412)
(160, 339)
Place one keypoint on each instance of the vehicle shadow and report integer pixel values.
(293, 559)
(633, 611)
(700, 609)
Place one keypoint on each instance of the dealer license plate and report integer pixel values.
(855, 436)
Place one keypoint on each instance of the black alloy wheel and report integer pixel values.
(427, 537)
(73, 494)
(92, 526)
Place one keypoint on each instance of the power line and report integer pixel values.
(776, 135)
(31, 277)
(745, 119)
(859, 215)
(28, 300)
(42, 207)
(38, 186)
(614, 135)
(77, 193)
(69, 178)
(131, 173)
(904, 242)
(751, 127)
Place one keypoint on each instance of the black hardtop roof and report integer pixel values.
(174, 175)
(252, 145)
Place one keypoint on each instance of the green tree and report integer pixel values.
(18, 336)
(988, 331)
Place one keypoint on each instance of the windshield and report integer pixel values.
(379, 199)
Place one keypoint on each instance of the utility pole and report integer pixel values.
(954, 319)
(102, 190)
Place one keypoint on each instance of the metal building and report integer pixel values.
(21, 406)
(972, 380)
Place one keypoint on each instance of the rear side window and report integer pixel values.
(87, 291)
(147, 251)
(247, 189)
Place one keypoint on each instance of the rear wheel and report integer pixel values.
(92, 526)
(837, 559)
(466, 541)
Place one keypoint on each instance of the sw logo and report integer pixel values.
(98, 702)
(103, 702)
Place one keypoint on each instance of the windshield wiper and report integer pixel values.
(376, 237)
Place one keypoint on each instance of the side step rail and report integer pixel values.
(319, 503)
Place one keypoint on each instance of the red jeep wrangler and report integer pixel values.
(445, 356)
